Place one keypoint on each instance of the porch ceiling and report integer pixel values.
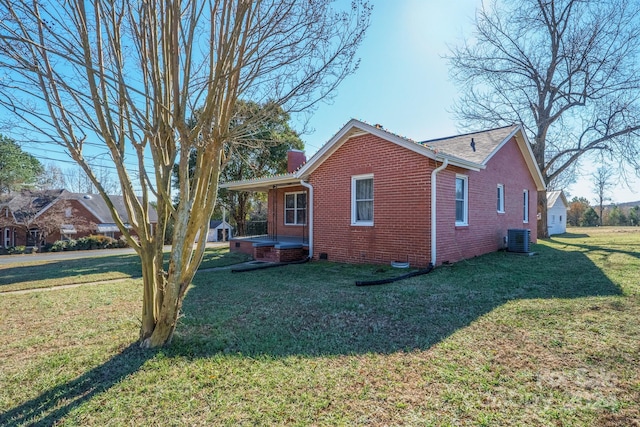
(262, 184)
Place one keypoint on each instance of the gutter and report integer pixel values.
(310, 203)
(444, 164)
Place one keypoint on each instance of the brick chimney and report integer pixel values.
(295, 159)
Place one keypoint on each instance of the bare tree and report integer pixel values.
(51, 178)
(569, 70)
(77, 181)
(602, 184)
(126, 77)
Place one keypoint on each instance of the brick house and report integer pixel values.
(371, 196)
(35, 218)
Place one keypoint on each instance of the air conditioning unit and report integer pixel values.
(518, 240)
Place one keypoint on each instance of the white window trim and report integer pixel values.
(354, 215)
(465, 220)
(501, 198)
(295, 209)
(525, 207)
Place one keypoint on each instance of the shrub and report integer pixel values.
(17, 250)
(58, 246)
(121, 243)
(95, 241)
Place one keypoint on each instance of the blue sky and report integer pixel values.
(403, 80)
(402, 83)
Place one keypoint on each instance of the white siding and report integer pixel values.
(557, 218)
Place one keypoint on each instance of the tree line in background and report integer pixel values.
(21, 170)
(581, 214)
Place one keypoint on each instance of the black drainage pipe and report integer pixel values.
(270, 265)
(395, 279)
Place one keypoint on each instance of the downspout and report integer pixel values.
(310, 215)
(433, 209)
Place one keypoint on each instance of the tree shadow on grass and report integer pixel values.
(570, 236)
(627, 249)
(54, 404)
(315, 309)
(128, 265)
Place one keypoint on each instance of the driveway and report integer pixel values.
(58, 256)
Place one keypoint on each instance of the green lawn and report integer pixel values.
(29, 275)
(502, 339)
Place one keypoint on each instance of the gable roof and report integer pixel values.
(30, 203)
(553, 196)
(485, 144)
(356, 128)
(97, 206)
(455, 149)
(217, 223)
(39, 201)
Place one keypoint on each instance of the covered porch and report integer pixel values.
(289, 220)
(272, 248)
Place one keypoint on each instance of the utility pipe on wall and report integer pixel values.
(310, 206)
(444, 164)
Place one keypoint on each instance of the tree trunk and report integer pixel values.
(543, 230)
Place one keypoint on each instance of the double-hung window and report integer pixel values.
(500, 205)
(362, 200)
(462, 200)
(295, 208)
(525, 206)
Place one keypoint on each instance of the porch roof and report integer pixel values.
(263, 184)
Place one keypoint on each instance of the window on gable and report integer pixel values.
(500, 198)
(462, 200)
(295, 208)
(525, 207)
(362, 200)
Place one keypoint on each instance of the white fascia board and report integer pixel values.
(261, 184)
(530, 159)
(346, 133)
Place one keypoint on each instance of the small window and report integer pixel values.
(295, 208)
(68, 212)
(462, 200)
(553, 219)
(525, 212)
(362, 200)
(500, 198)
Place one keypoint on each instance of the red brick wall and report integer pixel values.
(295, 158)
(281, 229)
(487, 228)
(240, 246)
(401, 185)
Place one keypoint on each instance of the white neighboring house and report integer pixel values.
(556, 212)
(219, 231)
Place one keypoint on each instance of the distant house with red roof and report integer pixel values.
(35, 218)
(371, 196)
